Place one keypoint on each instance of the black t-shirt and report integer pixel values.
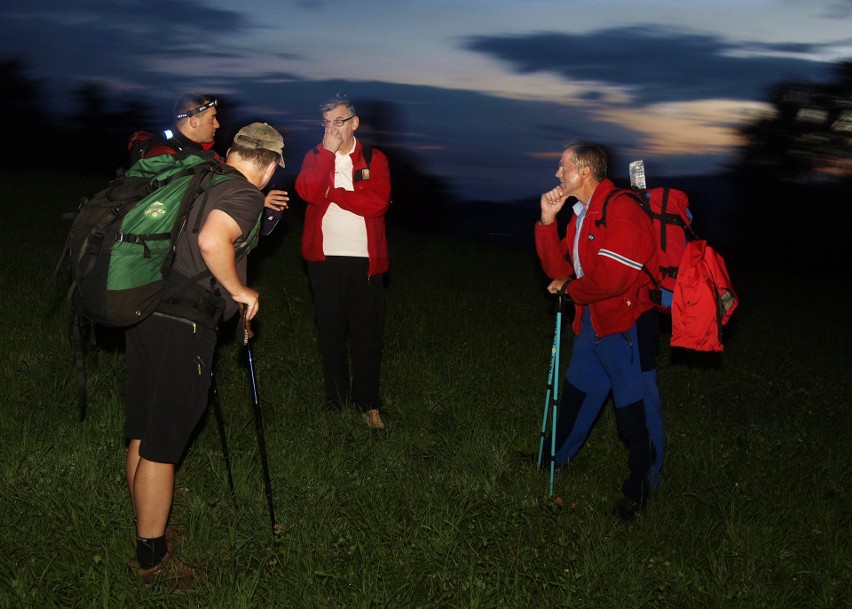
(239, 199)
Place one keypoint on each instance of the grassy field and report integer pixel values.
(438, 511)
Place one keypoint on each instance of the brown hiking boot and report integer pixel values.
(170, 571)
(373, 419)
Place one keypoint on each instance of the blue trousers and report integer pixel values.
(623, 365)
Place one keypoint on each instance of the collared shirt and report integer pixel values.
(343, 169)
(579, 211)
(344, 233)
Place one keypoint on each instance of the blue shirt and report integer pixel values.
(580, 212)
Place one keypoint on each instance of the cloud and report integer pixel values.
(671, 94)
(838, 9)
(650, 64)
(72, 41)
(165, 19)
(685, 128)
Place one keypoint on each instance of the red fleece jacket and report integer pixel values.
(370, 199)
(614, 286)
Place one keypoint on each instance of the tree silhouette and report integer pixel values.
(420, 197)
(795, 173)
(28, 129)
(100, 133)
(809, 134)
(92, 139)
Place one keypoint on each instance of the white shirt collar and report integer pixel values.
(354, 145)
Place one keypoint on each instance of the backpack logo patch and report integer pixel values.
(156, 209)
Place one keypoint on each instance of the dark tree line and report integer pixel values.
(794, 167)
(795, 173)
(91, 137)
(808, 137)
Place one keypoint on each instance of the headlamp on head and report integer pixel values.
(192, 112)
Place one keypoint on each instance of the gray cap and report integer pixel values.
(261, 135)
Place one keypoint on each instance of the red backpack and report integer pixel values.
(668, 209)
(693, 283)
(703, 301)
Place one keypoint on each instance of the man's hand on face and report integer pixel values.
(332, 140)
(551, 204)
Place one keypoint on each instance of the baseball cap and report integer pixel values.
(261, 135)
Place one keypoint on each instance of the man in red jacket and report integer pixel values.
(615, 322)
(347, 190)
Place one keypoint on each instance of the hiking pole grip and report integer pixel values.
(562, 296)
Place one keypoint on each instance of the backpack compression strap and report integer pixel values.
(199, 171)
(665, 218)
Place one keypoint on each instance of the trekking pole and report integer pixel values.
(220, 423)
(554, 396)
(258, 421)
(551, 399)
(547, 400)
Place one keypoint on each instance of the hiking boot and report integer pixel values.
(171, 571)
(373, 419)
(175, 536)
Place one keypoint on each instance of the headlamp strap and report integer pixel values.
(211, 104)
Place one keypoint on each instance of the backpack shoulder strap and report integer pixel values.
(203, 183)
(618, 191)
(655, 293)
(364, 174)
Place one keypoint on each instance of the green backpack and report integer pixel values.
(121, 243)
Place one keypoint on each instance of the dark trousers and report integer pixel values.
(168, 380)
(349, 304)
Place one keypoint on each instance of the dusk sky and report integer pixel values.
(485, 93)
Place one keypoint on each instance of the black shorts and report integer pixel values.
(168, 379)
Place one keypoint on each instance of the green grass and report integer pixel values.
(438, 511)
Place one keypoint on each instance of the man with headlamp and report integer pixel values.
(195, 126)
